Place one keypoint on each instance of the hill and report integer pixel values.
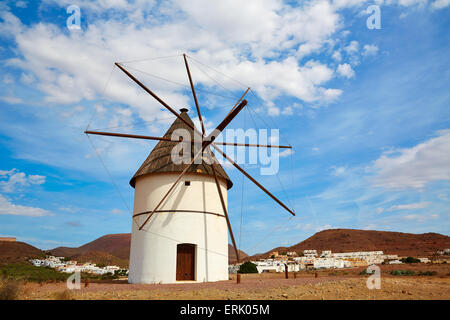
(232, 254)
(348, 240)
(111, 246)
(117, 245)
(11, 252)
(101, 258)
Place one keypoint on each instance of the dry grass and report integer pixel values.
(9, 289)
(64, 295)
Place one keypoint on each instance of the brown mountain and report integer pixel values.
(101, 258)
(114, 244)
(117, 245)
(17, 251)
(347, 240)
(232, 254)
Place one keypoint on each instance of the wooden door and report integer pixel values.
(185, 262)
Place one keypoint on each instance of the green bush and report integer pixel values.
(402, 273)
(427, 273)
(28, 272)
(248, 267)
(364, 272)
(410, 260)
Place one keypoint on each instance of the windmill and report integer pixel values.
(180, 230)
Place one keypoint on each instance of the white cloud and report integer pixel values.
(27, 78)
(421, 217)
(8, 208)
(338, 171)
(116, 211)
(370, 50)
(370, 227)
(70, 67)
(16, 179)
(288, 111)
(346, 70)
(337, 56)
(324, 227)
(410, 206)
(352, 48)
(21, 4)
(286, 153)
(439, 4)
(415, 167)
(11, 99)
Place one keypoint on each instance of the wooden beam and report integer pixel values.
(193, 93)
(210, 138)
(239, 100)
(126, 135)
(153, 94)
(253, 180)
(224, 206)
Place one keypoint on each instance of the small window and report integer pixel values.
(187, 183)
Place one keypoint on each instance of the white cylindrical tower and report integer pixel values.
(186, 239)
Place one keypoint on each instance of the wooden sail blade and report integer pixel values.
(240, 99)
(126, 135)
(251, 145)
(224, 123)
(153, 94)
(224, 207)
(193, 93)
(253, 180)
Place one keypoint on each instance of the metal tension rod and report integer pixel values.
(193, 93)
(126, 135)
(253, 180)
(224, 206)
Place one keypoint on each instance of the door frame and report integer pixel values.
(194, 260)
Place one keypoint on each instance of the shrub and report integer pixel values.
(364, 272)
(28, 272)
(410, 260)
(9, 289)
(427, 273)
(248, 267)
(402, 273)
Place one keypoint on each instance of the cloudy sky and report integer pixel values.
(366, 111)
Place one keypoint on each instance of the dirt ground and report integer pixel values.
(330, 284)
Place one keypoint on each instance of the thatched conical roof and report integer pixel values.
(159, 159)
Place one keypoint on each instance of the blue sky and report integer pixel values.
(366, 111)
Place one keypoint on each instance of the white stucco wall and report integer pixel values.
(154, 248)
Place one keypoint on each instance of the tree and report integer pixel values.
(248, 267)
(410, 260)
